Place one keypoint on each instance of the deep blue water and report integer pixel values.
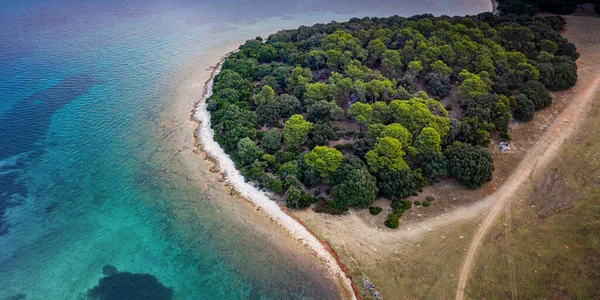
(89, 175)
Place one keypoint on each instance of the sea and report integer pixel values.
(103, 192)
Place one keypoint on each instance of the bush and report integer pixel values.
(276, 186)
(417, 203)
(392, 221)
(426, 203)
(406, 204)
(285, 156)
(296, 198)
(429, 198)
(329, 207)
(375, 210)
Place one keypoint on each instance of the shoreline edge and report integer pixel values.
(204, 139)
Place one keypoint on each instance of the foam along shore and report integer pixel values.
(297, 230)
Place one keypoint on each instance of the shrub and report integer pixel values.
(392, 221)
(406, 205)
(429, 198)
(426, 203)
(328, 207)
(375, 210)
(285, 156)
(417, 203)
(276, 186)
(296, 198)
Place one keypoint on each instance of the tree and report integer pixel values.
(296, 198)
(234, 123)
(438, 85)
(392, 63)
(247, 150)
(398, 132)
(295, 131)
(472, 85)
(349, 163)
(288, 105)
(320, 135)
(324, 111)
(358, 189)
(296, 83)
(231, 79)
(471, 165)
(415, 67)
(558, 76)
(415, 114)
(381, 112)
(376, 50)
(399, 184)
(362, 112)
(271, 139)
(375, 88)
(268, 113)
(326, 160)
(336, 59)
(316, 92)
(507, 7)
(536, 92)
(428, 141)
(524, 109)
(386, 154)
(434, 164)
(441, 68)
(266, 94)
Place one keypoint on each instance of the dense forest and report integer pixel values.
(339, 114)
(529, 7)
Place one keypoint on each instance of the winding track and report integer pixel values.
(538, 157)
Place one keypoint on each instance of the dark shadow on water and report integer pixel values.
(23, 125)
(16, 297)
(29, 118)
(124, 285)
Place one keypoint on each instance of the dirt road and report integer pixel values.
(539, 156)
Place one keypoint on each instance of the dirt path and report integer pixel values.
(539, 156)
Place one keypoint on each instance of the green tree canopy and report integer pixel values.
(398, 132)
(326, 160)
(471, 165)
(428, 141)
(248, 151)
(359, 189)
(296, 131)
(271, 139)
(386, 154)
(362, 112)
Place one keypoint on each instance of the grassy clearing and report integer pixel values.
(426, 268)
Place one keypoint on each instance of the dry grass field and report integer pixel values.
(546, 244)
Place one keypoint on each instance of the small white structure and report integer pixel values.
(503, 146)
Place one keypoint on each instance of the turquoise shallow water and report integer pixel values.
(88, 177)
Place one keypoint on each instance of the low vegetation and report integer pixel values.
(339, 114)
